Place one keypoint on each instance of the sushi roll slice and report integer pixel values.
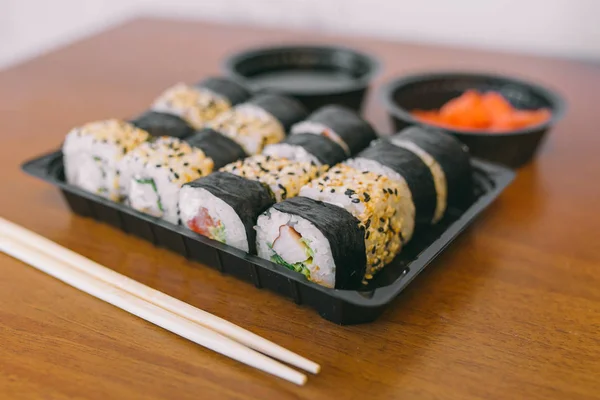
(282, 176)
(262, 120)
(306, 147)
(448, 161)
(376, 201)
(406, 168)
(92, 153)
(322, 241)
(339, 124)
(160, 124)
(224, 207)
(202, 102)
(156, 170)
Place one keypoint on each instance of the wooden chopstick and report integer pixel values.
(147, 311)
(156, 297)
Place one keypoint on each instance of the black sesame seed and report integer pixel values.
(338, 172)
(373, 250)
(368, 224)
(349, 192)
(384, 191)
(332, 190)
(198, 170)
(381, 220)
(380, 229)
(176, 175)
(367, 196)
(365, 172)
(396, 192)
(185, 164)
(356, 200)
(290, 173)
(158, 165)
(368, 234)
(124, 150)
(325, 178)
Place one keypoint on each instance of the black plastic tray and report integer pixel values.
(339, 306)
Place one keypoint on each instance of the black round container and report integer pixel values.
(430, 91)
(315, 75)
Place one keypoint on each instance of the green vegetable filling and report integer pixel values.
(150, 181)
(298, 267)
(218, 233)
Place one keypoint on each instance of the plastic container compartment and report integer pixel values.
(430, 91)
(314, 75)
(338, 306)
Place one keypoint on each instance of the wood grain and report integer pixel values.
(510, 311)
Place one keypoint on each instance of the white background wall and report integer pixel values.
(556, 27)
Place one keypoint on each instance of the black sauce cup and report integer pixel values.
(430, 91)
(314, 75)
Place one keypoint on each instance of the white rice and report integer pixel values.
(142, 196)
(192, 199)
(92, 165)
(322, 268)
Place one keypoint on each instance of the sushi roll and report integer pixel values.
(406, 168)
(262, 120)
(282, 176)
(92, 153)
(202, 102)
(160, 124)
(306, 147)
(224, 207)
(448, 161)
(323, 242)
(154, 172)
(339, 124)
(376, 201)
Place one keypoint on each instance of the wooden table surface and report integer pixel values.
(510, 311)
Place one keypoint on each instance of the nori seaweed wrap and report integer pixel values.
(220, 148)
(232, 90)
(340, 124)
(161, 124)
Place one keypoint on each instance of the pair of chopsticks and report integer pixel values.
(151, 305)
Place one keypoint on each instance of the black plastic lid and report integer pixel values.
(233, 91)
(161, 124)
(286, 109)
(348, 125)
